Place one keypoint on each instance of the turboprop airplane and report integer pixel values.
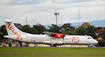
(52, 39)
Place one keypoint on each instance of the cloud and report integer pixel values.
(20, 2)
(42, 11)
(4, 2)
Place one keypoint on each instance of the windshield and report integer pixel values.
(90, 38)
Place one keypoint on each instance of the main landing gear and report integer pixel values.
(53, 45)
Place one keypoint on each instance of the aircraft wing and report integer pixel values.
(54, 35)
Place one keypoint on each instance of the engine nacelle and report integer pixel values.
(57, 35)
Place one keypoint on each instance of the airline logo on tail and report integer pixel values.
(13, 31)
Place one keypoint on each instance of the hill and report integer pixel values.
(98, 23)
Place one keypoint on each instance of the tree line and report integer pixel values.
(69, 30)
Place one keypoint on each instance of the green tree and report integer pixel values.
(68, 29)
(101, 43)
(91, 31)
(40, 28)
(3, 30)
(102, 34)
(28, 29)
(70, 32)
(54, 28)
(1, 35)
(81, 31)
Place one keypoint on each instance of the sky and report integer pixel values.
(42, 11)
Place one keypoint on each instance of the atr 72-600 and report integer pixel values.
(52, 39)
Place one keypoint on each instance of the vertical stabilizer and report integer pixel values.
(11, 28)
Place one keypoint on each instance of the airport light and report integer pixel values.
(56, 13)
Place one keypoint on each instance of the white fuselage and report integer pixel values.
(68, 39)
(15, 33)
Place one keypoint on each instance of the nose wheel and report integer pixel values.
(91, 45)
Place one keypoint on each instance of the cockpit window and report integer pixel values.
(89, 37)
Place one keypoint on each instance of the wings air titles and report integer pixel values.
(13, 31)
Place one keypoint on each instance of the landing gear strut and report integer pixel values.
(53, 45)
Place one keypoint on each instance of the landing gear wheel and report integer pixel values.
(53, 45)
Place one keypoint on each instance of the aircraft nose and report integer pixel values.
(95, 41)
